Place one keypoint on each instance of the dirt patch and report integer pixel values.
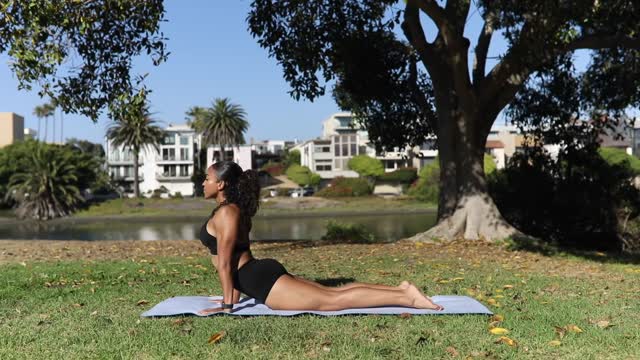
(475, 254)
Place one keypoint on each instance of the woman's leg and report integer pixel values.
(289, 293)
(403, 285)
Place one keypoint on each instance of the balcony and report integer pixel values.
(126, 177)
(162, 176)
(122, 161)
(173, 159)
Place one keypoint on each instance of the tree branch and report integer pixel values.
(415, 34)
(603, 42)
(457, 11)
(482, 48)
(419, 97)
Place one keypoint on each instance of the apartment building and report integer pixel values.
(171, 167)
(11, 128)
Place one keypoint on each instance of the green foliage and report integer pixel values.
(224, 123)
(570, 203)
(405, 175)
(349, 233)
(342, 186)
(99, 38)
(426, 188)
(366, 166)
(291, 157)
(46, 185)
(615, 156)
(302, 175)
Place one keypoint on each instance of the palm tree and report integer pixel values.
(135, 130)
(40, 111)
(223, 123)
(45, 187)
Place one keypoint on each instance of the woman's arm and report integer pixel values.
(226, 225)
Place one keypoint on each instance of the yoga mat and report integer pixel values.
(180, 305)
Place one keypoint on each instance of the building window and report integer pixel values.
(337, 164)
(169, 140)
(337, 149)
(168, 154)
(345, 149)
(352, 138)
(389, 164)
(184, 153)
(184, 140)
(184, 170)
(323, 167)
(354, 149)
(169, 171)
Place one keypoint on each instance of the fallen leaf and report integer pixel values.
(506, 340)
(452, 351)
(508, 287)
(498, 331)
(457, 279)
(555, 343)
(573, 328)
(603, 324)
(491, 301)
(142, 302)
(216, 337)
(405, 315)
(561, 331)
(94, 313)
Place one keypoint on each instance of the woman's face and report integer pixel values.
(211, 184)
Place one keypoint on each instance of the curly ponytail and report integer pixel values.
(243, 188)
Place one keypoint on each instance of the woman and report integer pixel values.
(226, 234)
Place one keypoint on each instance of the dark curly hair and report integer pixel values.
(243, 187)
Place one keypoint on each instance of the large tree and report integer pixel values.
(80, 52)
(134, 129)
(224, 123)
(403, 90)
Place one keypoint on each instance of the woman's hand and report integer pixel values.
(210, 311)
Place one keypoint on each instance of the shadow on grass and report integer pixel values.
(532, 244)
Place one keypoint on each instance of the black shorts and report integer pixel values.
(256, 278)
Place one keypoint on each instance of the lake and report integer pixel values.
(384, 227)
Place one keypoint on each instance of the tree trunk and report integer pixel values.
(136, 185)
(465, 209)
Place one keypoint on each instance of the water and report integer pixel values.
(384, 227)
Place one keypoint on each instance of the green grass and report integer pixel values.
(198, 207)
(38, 318)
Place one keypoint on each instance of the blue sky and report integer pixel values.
(212, 55)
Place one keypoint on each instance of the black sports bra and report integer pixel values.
(211, 242)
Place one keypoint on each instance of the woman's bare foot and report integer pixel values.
(404, 285)
(421, 301)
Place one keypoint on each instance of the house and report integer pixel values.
(170, 168)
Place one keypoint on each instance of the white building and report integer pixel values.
(171, 167)
(242, 155)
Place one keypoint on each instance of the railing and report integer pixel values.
(126, 177)
(174, 158)
(169, 176)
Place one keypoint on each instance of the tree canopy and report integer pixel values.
(80, 52)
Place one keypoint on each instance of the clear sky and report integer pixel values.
(212, 55)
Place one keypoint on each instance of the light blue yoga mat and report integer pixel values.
(181, 305)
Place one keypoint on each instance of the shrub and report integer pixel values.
(177, 195)
(615, 156)
(351, 233)
(366, 166)
(569, 203)
(405, 175)
(427, 187)
(302, 175)
(341, 186)
(273, 168)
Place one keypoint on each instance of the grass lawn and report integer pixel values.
(275, 206)
(83, 300)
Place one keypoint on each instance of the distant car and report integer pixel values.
(303, 191)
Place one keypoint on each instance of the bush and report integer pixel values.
(302, 175)
(572, 203)
(273, 168)
(405, 175)
(177, 195)
(351, 233)
(341, 186)
(366, 166)
(283, 191)
(615, 156)
(427, 187)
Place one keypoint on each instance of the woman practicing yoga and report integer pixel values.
(226, 234)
